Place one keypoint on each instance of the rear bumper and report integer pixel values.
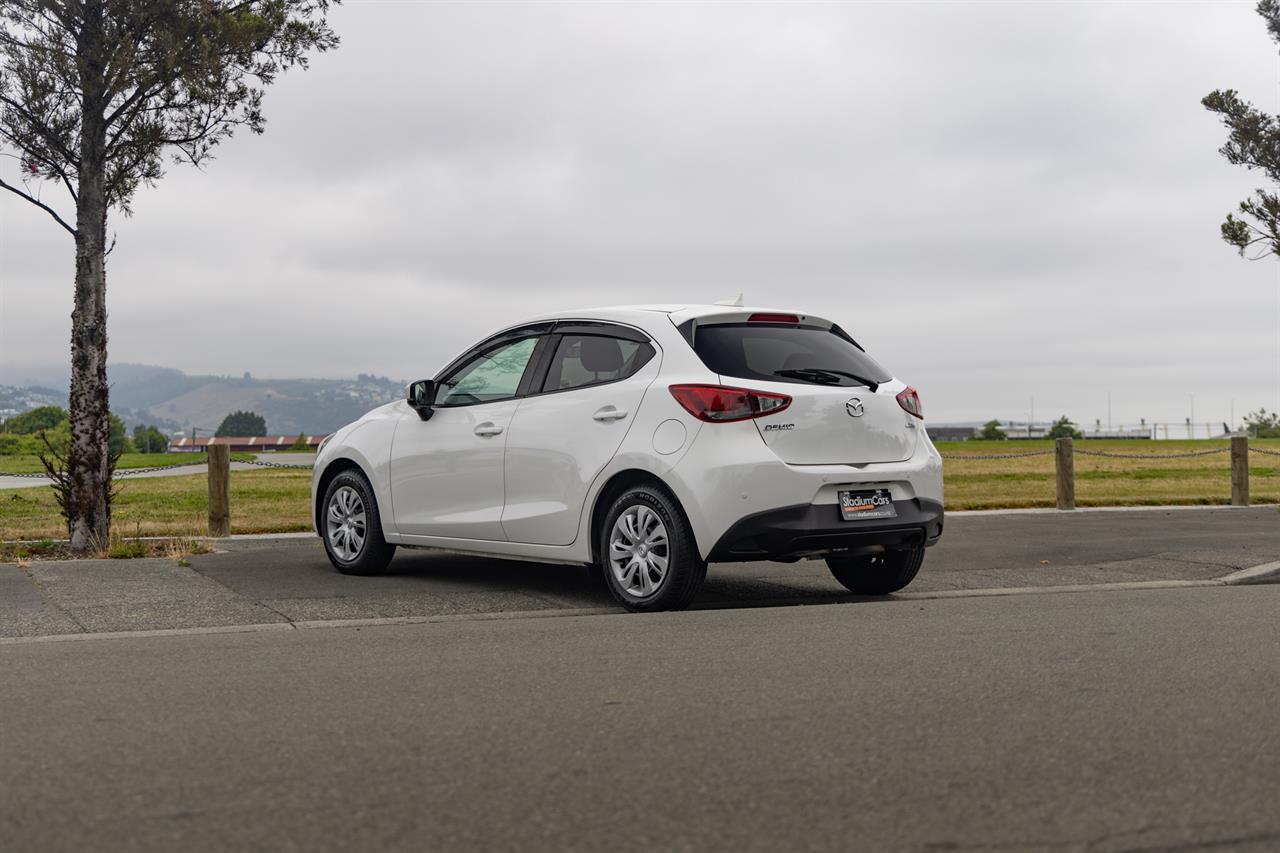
(812, 530)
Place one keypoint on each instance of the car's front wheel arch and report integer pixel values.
(332, 470)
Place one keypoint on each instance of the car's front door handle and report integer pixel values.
(609, 413)
(487, 429)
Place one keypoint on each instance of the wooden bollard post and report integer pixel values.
(1239, 470)
(219, 490)
(1066, 468)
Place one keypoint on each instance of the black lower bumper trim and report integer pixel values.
(810, 530)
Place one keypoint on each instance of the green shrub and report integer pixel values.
(242, 424)
(149, 439)
(28, 423)
(12, 444)
(131, 549)
(1064, 428)
(991, 432)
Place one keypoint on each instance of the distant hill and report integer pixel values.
(174, 400)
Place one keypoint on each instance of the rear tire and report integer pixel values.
(351, 527)
(647, 552)
(879, 574)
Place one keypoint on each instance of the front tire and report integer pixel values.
(647, 552)
(879, 574)
(351, 527)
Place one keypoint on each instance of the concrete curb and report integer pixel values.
(1265, 573)
(261, 627)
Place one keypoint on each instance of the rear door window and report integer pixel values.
(582, 360)
(805, 354)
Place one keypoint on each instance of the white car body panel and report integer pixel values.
(447, 474)
(366, 443)
(820, 426)
(435, 480)
(558, 444)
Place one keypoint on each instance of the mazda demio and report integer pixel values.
(648, 441)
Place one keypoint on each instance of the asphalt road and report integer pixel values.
(1100, 722)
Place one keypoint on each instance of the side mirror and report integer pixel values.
(419, 396)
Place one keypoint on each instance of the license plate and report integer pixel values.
(873, 503)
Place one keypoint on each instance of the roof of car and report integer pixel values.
(678, 313)
(685, 311)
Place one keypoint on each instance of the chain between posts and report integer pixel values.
(997, 455)
(262, 464)
(1264, 452)
(120, 472)
(1187, 455)
(1102, 453)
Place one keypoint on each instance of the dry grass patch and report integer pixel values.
(1103, 481)
(273, 500)
(277, 500)
(120, 548)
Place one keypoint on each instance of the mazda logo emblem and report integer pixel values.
(854, 407)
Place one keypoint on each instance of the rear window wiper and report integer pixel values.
(826, 375)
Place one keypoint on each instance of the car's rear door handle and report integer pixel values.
(609, 413)
(487, 429)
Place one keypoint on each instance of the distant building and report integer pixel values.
(1111, 434)
(949, 433)
(252, 444)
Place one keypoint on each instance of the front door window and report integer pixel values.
(490, 376)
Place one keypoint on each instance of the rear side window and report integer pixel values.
(582, 360)
(785, 354)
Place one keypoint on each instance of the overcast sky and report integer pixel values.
(1000, 200)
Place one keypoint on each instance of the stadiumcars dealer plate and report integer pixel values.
(867, 504)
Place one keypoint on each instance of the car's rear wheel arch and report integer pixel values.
(616, 485)
(332, 470)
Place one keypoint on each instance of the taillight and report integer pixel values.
(773, 318)
(909, 400)
(720, 404)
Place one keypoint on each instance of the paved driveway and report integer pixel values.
(262, 581)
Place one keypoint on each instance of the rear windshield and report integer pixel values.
(785, 354)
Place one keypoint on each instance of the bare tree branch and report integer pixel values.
(46, 208)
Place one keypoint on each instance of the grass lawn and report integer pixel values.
(273, 500)
(30, 464)
(276, 500)
(1030, 482)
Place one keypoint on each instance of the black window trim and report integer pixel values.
(601, 328)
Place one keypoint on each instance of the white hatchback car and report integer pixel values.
(649, 441)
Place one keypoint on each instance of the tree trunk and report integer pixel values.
(89, 456)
